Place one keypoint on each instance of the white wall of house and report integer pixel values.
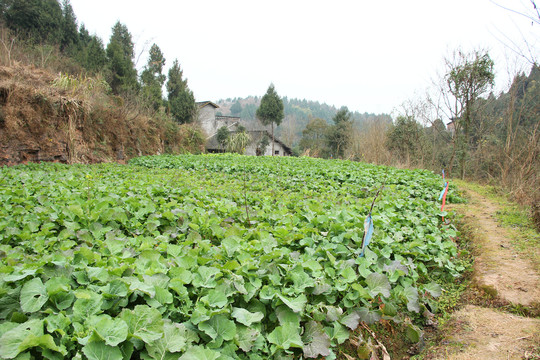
(207, 119)
(251, 149)
(279, 150)
(211, 123)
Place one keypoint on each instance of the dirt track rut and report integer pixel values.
(486, 333)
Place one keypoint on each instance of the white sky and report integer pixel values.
(370, 56)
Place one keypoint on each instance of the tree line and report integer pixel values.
(298, 113)
(45, 26)
(460, 126)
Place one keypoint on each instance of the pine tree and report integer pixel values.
(181, 101)
(152, 78)
(39, 21)
(91, 53)
(120, 54)
(236, 108)
(70, 35)
(270, 111)
(339, 134)
(314, 137)
(96, 55)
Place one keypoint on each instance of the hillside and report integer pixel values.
(47, 117)
(297, 114)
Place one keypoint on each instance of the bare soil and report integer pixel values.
(483, 333)
(480, 332)
(41, 121)
(499, 269)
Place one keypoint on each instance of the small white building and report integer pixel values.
(208, 120)
(211, 123)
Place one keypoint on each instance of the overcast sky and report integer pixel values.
(370, 56)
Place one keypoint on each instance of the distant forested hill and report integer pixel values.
(297, 114)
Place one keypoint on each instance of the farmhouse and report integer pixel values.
(211, 123)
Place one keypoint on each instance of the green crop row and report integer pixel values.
(212, 257)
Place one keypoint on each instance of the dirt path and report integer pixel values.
(476, 332)
(499, 270)
(484, 333)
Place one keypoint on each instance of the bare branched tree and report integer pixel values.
(533, 14)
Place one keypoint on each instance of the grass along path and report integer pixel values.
(505, 275)
(500, 270)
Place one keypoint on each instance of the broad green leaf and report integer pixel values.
(144, 323)
(312, 265)
(57, 284)
(378, 284)
(116, 288)
(174, 250)
(231, 244)
(200, 353)
(62, 300)
(178, 287)
(150, 262)
(369, 316)
(77, 210)
(351, 320)
(268, 292)
(156, 280)
(370, 256)
(286, 336)
(115, 246)
(286, 315)
(25, 336)
(44, 342)
(389, 309)
(100, 351)
(33, 295)
(206, 277)
(245, 337)
(173, 340)
(245, 317)
(10, 342)
(412, 299)
(396, 265)
(9, 303)
(295, 304)
(361, 292)
(137, 285)
(349, 274)
(333, 313)
(19, 275)
(434, 289)
(112, 331)
(6, 326)
(301, 279)
(163, 296)
(215, 299)
(181, 275)
(321, 287)
(57, 322)
(27, 356)
(316, 341)
(219, 327)
(87, 304)
(200, 313)
(339, 333)
(413, 333)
